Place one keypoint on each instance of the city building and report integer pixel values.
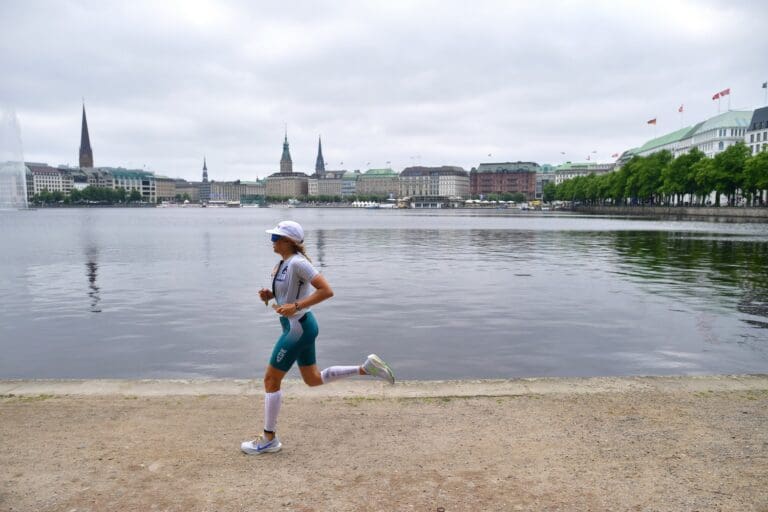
(379, 182)
(165, 188)
(504, 178)
(131, 179)
(191, 189)
(712, 136)
(287, 185)
(756, 136)
(236, 190)
(544, 176)
(349, 183)
(205, 185)
(433, 187)
(42, 177)
(716, 134)
(86, 153)
(330, 184)
(571, 170)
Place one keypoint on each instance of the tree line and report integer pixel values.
(661, 180)
(89, 195)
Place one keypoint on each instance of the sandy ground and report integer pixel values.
(593, 444)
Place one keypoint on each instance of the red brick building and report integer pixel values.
(504, 178)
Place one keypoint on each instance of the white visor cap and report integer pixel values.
(290, 229)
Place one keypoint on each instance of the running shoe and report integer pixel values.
(378, 368)
(261, 445)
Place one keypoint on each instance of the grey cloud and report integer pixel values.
(448, 82)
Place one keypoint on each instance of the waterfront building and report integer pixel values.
(287, 185)
(42, 177)
(79, 177)
(756, 136)
(86, 153)
(205, 185)
(330, 184)
(571, 170)
(544, 176)
(504, 178)
(101, 178)
(718, 133)
(379, 182)
(712, 136)
(433, 187)
(165, 188)
(132, 179)
(236, 190)
(349, 183)
(191, 189)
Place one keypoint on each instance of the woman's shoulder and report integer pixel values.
(299, 261)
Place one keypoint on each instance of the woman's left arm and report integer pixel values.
(322, 292)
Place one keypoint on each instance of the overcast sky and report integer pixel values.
(432, 83)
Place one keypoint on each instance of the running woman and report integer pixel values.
(290, 289)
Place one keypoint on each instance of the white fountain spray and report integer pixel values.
(13, 172)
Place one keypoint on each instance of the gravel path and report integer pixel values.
(592, 444)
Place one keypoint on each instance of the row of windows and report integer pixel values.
(759, 126)
(756, 148)
(755, 137)
(735, 132)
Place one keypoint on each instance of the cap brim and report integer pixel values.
(275, 231)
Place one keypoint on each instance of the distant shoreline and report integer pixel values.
(724, 212)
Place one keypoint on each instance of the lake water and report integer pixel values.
(172, 293)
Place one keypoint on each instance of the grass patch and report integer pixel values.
(35, 398)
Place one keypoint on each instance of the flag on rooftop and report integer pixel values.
(765, 85)
(680, 109)
(725, 92)
(615, 155)
(716, 96)
(652, 121)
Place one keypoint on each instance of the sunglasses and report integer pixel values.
(275, 238)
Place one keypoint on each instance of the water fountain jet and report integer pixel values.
(13, 172)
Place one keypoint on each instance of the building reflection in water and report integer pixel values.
(320, 247)
(92, 272)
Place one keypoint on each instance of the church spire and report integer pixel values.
(286, 165)
(205, 186)
(86, 154)
(320, 162)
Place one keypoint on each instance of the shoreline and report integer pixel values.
(730, 213)
(373, 388)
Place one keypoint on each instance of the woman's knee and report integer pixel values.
(272, 382)
(311, 376)
(313, 380)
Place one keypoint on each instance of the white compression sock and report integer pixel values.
(333, 373)
(272, 403)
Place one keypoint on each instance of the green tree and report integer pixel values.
(135, 196)
(729, 171)
(704, 175)
(678, 177)
(756, 176)
(549, 192)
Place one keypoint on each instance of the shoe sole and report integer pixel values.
(384, 367)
